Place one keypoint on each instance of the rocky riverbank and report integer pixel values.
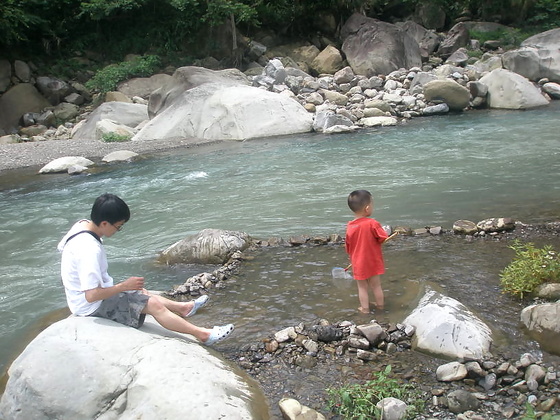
(302, 361)
(292, 362)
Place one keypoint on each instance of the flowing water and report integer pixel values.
(430, 171)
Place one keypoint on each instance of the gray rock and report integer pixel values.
(129, 115)
(446, 327)
(553, 89)
(488, 382)
(17, 101)
(436, 109)
(448, 91)
(460, 401)
(549, 291)
(292, 410)
(120, 156)
(107, 371)
(509, 90)
(465, 227)
(64, 163)
(218, 112)
(497, 224)
(373, 332)
(22, 71)
(54, 90)
(392, 408)
(143, 86)
(457, 37)
(324, 119)
(453, 371)
(209, 246)
(327, 333)
(328, 61)
(189, 77)
(5, 75)
(373, 47)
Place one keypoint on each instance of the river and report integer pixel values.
(425, 172)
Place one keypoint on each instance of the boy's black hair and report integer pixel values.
(358, 199)
(109, 208)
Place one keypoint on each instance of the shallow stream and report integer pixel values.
(430, 171)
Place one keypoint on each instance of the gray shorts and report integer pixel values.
(125, 308)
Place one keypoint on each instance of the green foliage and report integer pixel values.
(545, 14)
(118, 27)
(530, 414)
(359, 401)
(15, 21)
(115, 138)
(99, 9)
(530, 268)
(106, 79)
(508, 38)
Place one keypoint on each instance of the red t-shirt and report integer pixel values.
(364, 237)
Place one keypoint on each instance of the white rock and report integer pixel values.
(392, 409)
(453, 371)
(378, 121)
(445, 327)
(119, 156)
(63, 163)
(86, 368)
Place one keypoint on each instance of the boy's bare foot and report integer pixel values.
(363, 311)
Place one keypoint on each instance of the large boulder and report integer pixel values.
(209, 246)
(373, 47)
(509, 90)
(18, 100)
(62, 164)
(54, 90)
(427, 40)
(457, 37)
(328, 61)
(538, 57)
(120, 112)
(214, 111)
(143, 86)
(542, 323)
(452, 93)
(189, 77)
(446, 328)
(93, 368)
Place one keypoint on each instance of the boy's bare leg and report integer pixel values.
(181, 308)
(375, 284)
(170, 320)
(363, 296)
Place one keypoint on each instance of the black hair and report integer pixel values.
(358, 199)
(109, 208)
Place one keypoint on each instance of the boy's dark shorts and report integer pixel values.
(125, 308)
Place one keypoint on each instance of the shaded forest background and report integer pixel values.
(111, 29)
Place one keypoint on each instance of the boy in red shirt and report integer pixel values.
(364, 237)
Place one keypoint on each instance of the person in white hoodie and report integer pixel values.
(90, 290)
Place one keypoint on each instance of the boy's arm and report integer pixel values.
(100, 293)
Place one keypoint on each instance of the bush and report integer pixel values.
(114, 138)
(530, 268)
(359, 401)
(106, 79)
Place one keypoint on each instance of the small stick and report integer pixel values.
(391, 236)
